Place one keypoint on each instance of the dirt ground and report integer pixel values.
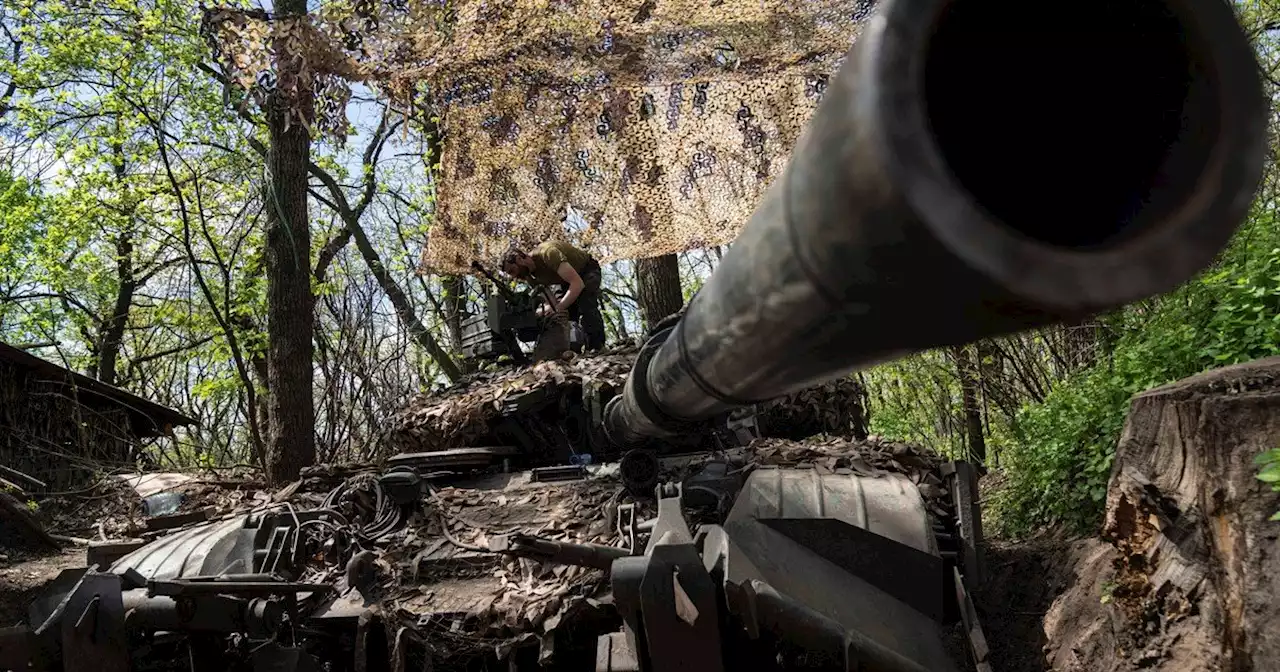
(1023, 580)
(23, 573)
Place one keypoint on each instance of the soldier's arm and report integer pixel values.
(569, 275)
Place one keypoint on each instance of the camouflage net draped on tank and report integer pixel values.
(462, 414)
(660, 121)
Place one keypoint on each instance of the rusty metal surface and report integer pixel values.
(615, 654)
(176, 520)
(910, 576)
(598, 556)
(231, 587)
(46, 603)
(964, 492)
(102, 554)
(973, 628)
(568, 472)
(208, 613)
(667, 598)
(457, 457)
(820, 636)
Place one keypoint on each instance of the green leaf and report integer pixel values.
(1268, 457)
(1270, 475)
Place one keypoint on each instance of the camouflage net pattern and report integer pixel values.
(661, 121)
(464, 414)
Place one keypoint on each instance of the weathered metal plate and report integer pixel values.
(889, 506)
(215, 548)
(93, 625)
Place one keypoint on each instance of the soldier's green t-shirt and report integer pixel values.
(548, 257)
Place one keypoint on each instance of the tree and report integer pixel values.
(290, 302)
(350, 216)
(967, 376)
(658, 287)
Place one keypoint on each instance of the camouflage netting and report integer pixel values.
(464, 413)
(461, 414)
(874, 456)
(662, 121)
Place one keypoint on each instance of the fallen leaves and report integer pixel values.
(497, 599)
(874, 456)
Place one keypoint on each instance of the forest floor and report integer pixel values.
(24, 573)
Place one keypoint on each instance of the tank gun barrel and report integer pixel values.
(973, 170)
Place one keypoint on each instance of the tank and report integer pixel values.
(917, 211)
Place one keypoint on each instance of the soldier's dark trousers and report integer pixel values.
(586, 310)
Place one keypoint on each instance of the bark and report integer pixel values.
(967, 374)
(290, 303)
(258, 364)
(19, 525)
(113, 328)
(1195, 580)
(329, 251)
(111, 331)
(658, 288)
(455, 301)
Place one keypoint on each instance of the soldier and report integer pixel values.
(575, 271)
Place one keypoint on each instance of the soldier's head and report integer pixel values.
(517, 264)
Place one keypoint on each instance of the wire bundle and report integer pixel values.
(371, 513)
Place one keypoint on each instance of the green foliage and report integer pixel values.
(1051, 420)
(1060, 460)
(1108, 591)
(917, 399)
(1269, 472)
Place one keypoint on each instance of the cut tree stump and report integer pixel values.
(1196, 580)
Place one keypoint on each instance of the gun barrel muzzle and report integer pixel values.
(973, 170)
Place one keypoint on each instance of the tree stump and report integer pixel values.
(1196, 582)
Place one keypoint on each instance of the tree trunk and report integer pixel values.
(111, 331)
(404, 309)
(21, 526)
(1195, 583)
(658, 287)
(257, 361)
(455, 301)
(967, 373)
(290, 303)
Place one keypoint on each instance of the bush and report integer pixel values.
(1059, 460)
